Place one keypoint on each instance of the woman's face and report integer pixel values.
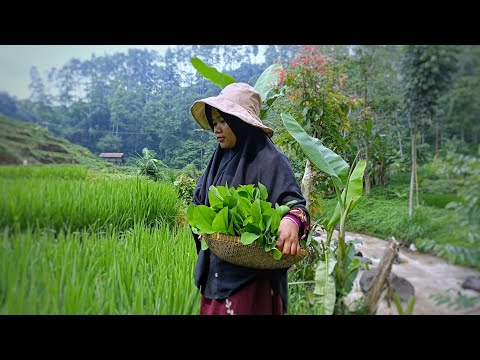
(222, 131)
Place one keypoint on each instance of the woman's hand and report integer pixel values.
(287, 241)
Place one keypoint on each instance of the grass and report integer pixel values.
(66, 172)
(77, 204)
(139, 271)
(438, 200)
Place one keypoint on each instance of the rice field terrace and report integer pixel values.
(75, 244)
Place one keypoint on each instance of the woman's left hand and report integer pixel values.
(287, 241)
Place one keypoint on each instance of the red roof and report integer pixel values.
(111, 155)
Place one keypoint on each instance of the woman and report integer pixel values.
(245, 155)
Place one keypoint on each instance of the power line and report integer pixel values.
(129, 133)
(122, 132)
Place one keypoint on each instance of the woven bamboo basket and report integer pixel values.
(230, 249)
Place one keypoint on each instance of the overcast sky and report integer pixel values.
(16, 61)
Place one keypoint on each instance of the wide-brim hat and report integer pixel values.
(237, 99)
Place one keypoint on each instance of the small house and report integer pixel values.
(116, 158)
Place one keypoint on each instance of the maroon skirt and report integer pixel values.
(255, 298)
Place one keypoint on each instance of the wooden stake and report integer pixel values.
(379, 279)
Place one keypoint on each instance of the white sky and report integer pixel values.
(16, 61)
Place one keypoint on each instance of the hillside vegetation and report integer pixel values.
(21, 141)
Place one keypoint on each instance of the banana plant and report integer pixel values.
(210, 73)
(338, 266)
(267, 80)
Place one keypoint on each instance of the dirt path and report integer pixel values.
(427, 273)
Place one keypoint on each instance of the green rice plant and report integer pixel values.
(76, 204)
(140, 271)
(66, 172)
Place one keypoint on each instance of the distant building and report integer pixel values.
(112, 157)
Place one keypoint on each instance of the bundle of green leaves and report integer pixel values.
(241, 211)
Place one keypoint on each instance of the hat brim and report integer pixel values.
(226, 106)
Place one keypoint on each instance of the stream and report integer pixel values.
(428, 274)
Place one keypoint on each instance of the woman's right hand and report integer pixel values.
(287, 241)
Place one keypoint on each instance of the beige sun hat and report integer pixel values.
(237, 99)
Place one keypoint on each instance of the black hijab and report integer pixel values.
(255, 158)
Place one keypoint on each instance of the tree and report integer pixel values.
(280, 53)
(459, 106)
(126, 107)
(8, 105)
(68, 81)
(110, 143)
(37, 88)
(313, 83)
(41, 101)
(373, 73)
(426, 72)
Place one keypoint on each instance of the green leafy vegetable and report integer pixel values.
(243, 212)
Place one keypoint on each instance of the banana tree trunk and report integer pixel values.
(366, 175)
(308, 184)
